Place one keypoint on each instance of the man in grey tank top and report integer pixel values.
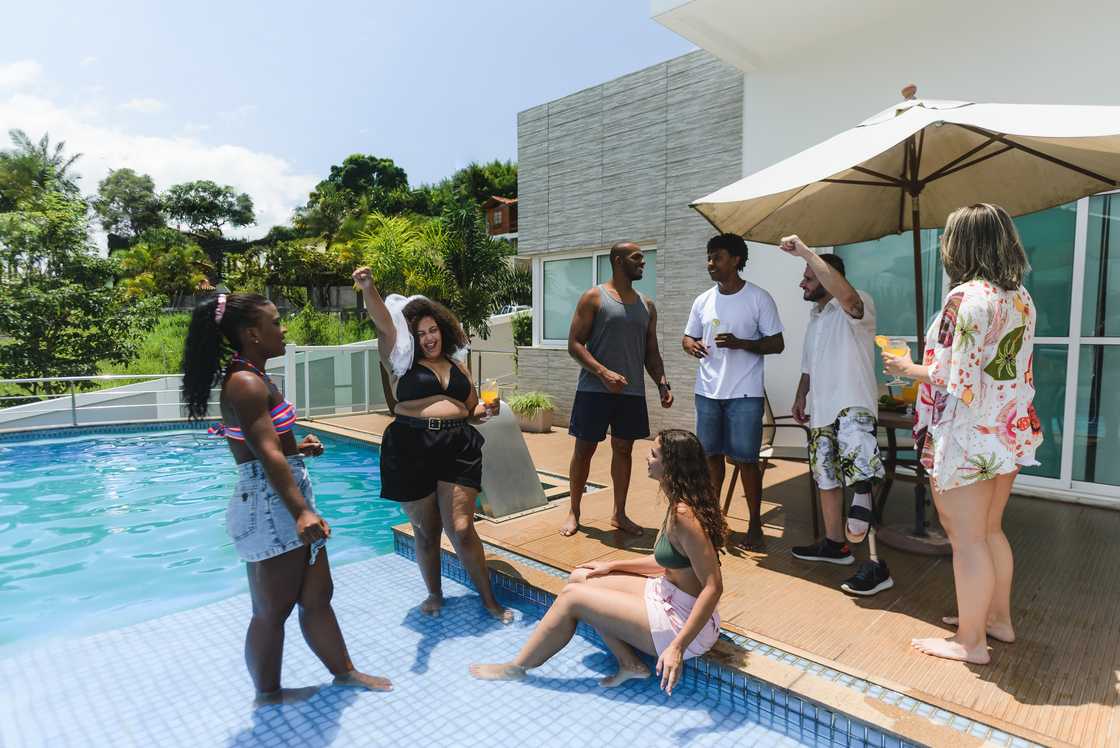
(613, 337)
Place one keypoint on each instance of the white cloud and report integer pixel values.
(19, 73)
(88, 60)
(144, 106)
(269, 179)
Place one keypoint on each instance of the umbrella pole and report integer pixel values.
(919, 314)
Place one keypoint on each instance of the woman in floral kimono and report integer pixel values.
(975, 424)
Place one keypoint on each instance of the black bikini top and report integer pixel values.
(420, 382)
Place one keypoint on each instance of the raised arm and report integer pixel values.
(378, 314)
(578, 335)
(247, 394)
(835, 283)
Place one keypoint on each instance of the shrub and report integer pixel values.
(528, 404)
(522, 328)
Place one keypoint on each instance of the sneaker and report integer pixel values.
(871, 578)
(825, 550)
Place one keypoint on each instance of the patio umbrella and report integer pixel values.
(909, 166)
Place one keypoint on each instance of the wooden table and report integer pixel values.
(917, 537)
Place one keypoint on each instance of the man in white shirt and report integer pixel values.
(838, 397)
(731, 327)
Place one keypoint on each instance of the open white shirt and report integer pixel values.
(839, 357)
(749, 314)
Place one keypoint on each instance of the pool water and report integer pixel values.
(102, 531)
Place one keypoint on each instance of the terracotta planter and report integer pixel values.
(539, 423)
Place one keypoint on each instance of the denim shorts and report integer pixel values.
(258, 520)
(731, 427)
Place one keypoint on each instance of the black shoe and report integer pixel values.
(871, 578)
(825, 550)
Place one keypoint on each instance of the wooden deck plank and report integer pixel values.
(1058, 682)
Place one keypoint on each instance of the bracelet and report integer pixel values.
(665, 385)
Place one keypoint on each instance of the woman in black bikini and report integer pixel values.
(271, 516)
(431, 455)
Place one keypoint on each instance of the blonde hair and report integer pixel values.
(980, 242)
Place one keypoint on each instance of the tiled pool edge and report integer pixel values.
(782, 704)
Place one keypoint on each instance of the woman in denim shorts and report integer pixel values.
(271, 516)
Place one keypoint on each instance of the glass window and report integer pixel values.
(1048, 239)
(564, 282)
(1049, 403)
(884, 268)
(1100, 316)
(1097, 432)
(647, 285)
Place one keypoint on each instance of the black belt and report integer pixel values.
(432, 424)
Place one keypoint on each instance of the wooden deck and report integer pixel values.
(1058, 684)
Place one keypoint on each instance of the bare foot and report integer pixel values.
(1002, 632)
(504, 616)
(500, 671)
(432, 605)
(951, 649)
(626, 525)
(285, 696)
(756, 540)
(624, 674)
(571, 524)
(361, 680)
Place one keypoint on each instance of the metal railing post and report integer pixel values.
(73, 406)
(307, 381)
(365, 377)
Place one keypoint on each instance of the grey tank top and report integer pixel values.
(618, 342)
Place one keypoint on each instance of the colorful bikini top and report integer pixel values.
(283, 415)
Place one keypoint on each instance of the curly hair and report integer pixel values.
(733, 244)
(209, 342)
(980, 242)
(451, 332)
(687, 481)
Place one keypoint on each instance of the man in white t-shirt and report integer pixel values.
(838, 398)
(731, 327)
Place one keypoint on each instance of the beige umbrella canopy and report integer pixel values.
(911, 165)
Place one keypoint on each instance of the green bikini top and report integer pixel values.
(666, 555)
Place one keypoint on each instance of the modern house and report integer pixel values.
(622, 160)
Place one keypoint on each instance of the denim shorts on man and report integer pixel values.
(731, 427)
(258, 520)
(594, 412)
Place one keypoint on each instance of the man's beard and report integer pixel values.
(816, 295)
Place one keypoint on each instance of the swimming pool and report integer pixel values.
(102, 530)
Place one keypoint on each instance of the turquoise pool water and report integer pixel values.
(101, 531)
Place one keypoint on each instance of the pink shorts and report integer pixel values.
(668, 607)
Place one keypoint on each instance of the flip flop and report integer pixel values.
(861, 514)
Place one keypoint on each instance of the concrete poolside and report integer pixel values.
(1057, 685)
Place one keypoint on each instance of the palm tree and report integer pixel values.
(41, 165)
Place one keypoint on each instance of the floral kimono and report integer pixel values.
(976, 420)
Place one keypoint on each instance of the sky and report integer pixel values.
(265, 96)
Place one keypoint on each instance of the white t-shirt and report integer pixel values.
(750, 314)
(839, 357)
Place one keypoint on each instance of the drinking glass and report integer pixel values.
(895, 347)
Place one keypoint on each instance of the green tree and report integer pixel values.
(205, 207)
(35, 167)
(41, 233)
(127, 204)
(163, 261)
(471, 186)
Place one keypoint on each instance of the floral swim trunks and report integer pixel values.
(846, 452)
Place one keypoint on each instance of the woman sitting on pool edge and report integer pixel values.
(431, 454)
(664, 605)
(271, 516)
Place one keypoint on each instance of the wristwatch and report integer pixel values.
(665, 384)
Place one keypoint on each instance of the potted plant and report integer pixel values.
(533, 410)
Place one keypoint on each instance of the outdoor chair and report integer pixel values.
(770, 426)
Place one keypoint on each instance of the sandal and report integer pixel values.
(861, 514)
